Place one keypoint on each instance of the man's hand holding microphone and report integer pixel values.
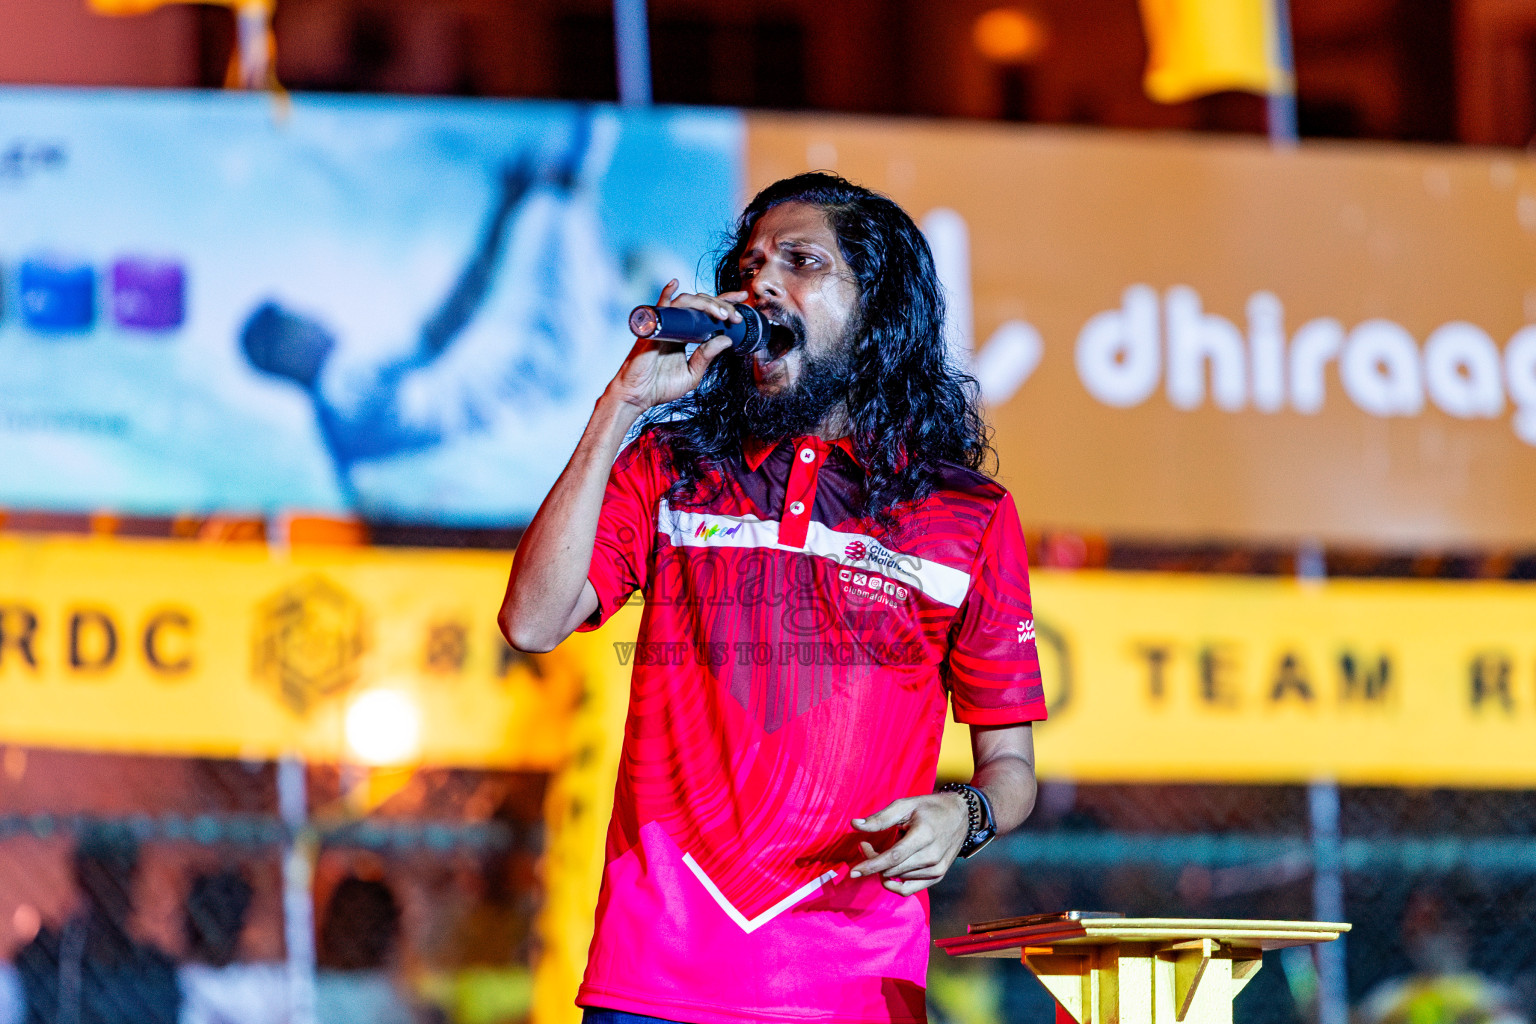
(659, 369)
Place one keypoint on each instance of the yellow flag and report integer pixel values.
(1203, 46)
(124, 7)
(132, 7)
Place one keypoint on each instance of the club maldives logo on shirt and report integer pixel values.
(872, 554)
(708, 531)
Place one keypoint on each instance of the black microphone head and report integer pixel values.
(756, 331)
(747, 335)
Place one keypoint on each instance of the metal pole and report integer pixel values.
(1327, 853)
(1328, 900)
(1311, 562)
(1282, 105)
(632, 50)
(253, 46)
(298, 890)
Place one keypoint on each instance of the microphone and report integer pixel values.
(673, 323)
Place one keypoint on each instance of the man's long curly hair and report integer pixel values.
(909, 406)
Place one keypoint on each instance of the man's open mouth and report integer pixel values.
(784, 334)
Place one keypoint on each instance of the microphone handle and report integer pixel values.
(674, 323)
(690, 325)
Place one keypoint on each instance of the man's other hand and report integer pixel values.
(933, 830)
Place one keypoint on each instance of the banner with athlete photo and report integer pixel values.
(392, 308)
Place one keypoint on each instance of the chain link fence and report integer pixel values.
(153, 889)
(1440, 886)
(146, 889)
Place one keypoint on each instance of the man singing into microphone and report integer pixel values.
(824, 569)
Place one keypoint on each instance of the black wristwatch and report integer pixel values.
(982, 828)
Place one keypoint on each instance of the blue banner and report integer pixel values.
(402, 309)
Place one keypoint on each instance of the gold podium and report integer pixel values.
(1151, 970)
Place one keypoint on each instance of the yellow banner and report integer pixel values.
(391, 656)
(1164, 677)
(237, 651)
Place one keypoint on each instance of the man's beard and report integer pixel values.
(820, 387)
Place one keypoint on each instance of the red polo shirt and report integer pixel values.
(792, 672)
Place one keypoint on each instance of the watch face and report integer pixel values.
(977, 842)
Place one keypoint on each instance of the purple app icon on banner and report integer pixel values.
(148, 295)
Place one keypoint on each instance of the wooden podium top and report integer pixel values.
(1011, 942)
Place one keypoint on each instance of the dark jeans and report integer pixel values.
(594, 1015)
